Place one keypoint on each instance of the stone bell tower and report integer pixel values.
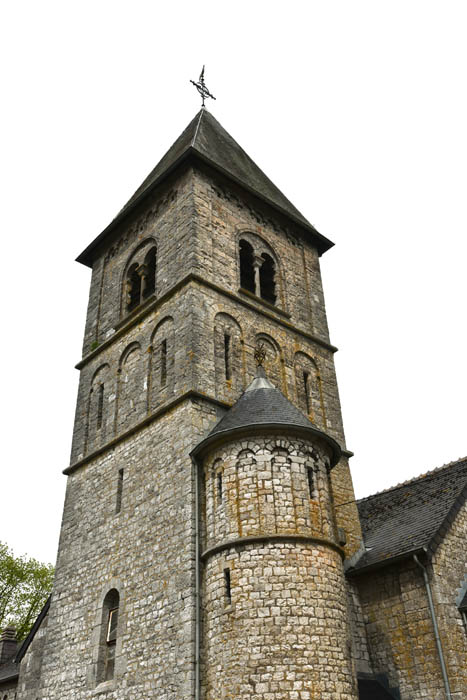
(207, 512)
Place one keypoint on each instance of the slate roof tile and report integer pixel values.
(204, 138)
(8, 671)
(264, 404)
(209, 139)
(409, 516)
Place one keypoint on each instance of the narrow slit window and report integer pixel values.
(219, 487)
(306, 387)
(228, 587)
(100, 406)
(164, 362)
(118, 505)
(227, 357)
(311, 481)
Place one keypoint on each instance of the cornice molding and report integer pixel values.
(275, 537)
(188, 395)
(139, 314)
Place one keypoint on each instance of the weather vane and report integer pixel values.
(201, 87)
(260, 354)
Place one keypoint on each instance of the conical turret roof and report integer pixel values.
(206, 140)
(262, 405)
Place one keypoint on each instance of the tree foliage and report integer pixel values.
(25, 585)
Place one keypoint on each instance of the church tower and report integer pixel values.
(209, 506)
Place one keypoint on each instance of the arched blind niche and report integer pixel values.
(228, 357)
(97, 410)
(309, 388)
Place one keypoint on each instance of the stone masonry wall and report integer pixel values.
(399, 629)
(197, 230)
(166, 221)
(137, 420)
(400, 632)
(276, 625)
(196, 227)
(224, 214)
(31, 665)
(360, 654)
(129, 369)
(283, 636)
(285, 348)
(145, 551)
(262, 485)
(8, 690)
(449, 574)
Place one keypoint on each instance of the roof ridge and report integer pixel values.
(201, 112)
(413, 479)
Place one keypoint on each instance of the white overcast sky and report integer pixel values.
(357, 110)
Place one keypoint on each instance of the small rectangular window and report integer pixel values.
(118, 504)
(228, 589)
(163, 362)
(311, 481)
(227, 357)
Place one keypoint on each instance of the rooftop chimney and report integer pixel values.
(8, 644)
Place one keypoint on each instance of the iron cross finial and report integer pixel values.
(260, 354)
(201, 87)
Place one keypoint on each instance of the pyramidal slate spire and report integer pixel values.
(209, 140)
(206, 141)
